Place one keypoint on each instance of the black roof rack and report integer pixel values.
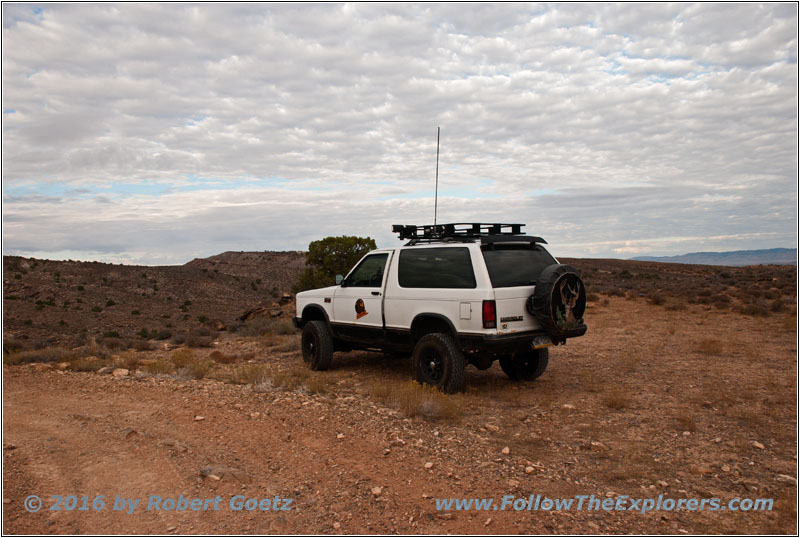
(463, 231)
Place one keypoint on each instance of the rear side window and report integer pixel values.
(514, 266)
(436, 268)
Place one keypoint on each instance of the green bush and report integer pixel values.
(331, 256)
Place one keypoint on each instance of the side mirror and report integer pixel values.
(339, 279)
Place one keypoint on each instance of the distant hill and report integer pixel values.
(735, 258)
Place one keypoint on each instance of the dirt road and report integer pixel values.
(642, 406)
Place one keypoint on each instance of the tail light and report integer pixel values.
(489, 315)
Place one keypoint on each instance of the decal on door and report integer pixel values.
(361, 311)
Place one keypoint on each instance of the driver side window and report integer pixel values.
(369, 273)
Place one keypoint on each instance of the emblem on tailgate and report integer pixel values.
(511, 318)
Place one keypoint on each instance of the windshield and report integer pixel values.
(511, 266)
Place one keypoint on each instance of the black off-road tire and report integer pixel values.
(525, 366)
(317, 345)
(438, 362)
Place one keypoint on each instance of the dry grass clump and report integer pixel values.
(86, 364)
(201, 337)
(616, 292)
(281, 343)
(755, 309)
(657, 298)
(428, 402)
(47, 354)
(189, 366)
(129, 361)
(709, 347)
(415, 400)
(289, 379)
(141, 345)
(250, 374)
(676, 305)
(685, 422)
(616, 398)
(316, 384)
(222, 358)
(12, 345)
(161, 366)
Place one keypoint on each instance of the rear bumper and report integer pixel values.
(511, 343)
(297, 322)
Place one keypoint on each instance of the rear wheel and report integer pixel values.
(438, 362)
(317, 345)
(525, 366)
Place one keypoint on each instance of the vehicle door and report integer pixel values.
(358, 301)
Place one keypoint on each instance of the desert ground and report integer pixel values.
(684, 386)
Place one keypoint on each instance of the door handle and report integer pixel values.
(376, 293)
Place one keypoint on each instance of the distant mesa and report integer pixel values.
(735, 258)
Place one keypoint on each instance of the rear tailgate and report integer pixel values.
(512, 316)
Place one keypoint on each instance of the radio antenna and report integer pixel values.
(436, 195)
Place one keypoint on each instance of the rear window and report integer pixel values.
(511, 266)
(436, 268)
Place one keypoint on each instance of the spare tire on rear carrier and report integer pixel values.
(559, 302)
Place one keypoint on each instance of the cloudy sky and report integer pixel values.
(156, 133)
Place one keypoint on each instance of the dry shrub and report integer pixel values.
(195, 370)
(161, 366)
(223, 358)
(777, 306)
(676, 305)
(93, 349)
(290, 379)
(429, 403)
(200, 338)
(616, 398)
(113, 342)
(141, 345)
(47, 354)
(86, 364)
(12, 345)
(316, 384)
(657, 298)
(685, 422)
(188, 366)
(755, 310)
(250, 374)
(163, 334)
(178, 339)
(592, 297)
(281, 343)
(709, 347)
(616, 292)
(182, 357)
(380, 390)
(128, 360)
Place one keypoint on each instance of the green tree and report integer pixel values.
(331, 256)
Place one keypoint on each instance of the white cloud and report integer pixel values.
(197, 128)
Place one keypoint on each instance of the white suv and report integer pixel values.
(455, 294)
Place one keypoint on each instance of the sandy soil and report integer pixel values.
(695, 403)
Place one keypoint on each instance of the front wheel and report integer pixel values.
(525, 366)
(438, 362)
(317, 345)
